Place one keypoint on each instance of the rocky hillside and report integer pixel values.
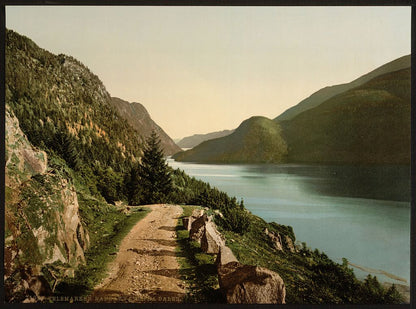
(55, 97)
(44, 237)
(196, 139)
(256, 140)
(367, 124)
(325, 93)
(138, 117)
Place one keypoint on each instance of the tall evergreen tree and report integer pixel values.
(154, 173)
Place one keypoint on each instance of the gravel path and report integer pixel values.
(145, 268)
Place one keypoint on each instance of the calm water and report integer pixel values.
(361, 213)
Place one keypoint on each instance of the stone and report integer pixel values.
(185, 223)
(275, 239)
(246, 284)
(197, 228)
(225, 256)
(196, 213)
(289, 244)
(211, 240)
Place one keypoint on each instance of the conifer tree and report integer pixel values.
(154, 173)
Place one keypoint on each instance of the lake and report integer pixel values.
(361, 213)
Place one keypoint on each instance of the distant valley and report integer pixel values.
(196, 139)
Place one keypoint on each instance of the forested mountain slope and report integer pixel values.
(138, 117)
(326, 93)
(367, 124)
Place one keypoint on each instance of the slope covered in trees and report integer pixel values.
(138, 117)
(326, 93)
(367, 124)
(256, 140)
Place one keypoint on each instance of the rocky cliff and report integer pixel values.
(138, 117)
(45, 239)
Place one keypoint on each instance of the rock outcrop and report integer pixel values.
(289, 244)
(275, 239)
(43, 225)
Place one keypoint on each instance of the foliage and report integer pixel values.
(64, 109)
(188, 190)
(256, 140)
(153, 173)
(369, 124)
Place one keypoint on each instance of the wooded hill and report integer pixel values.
(365, 124)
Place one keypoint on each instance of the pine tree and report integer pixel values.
(154, 173)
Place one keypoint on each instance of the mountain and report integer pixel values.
(368, 124)
(196, 139)
(256, 140)
(138, 117)
(325, 93)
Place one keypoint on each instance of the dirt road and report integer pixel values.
(145, 268)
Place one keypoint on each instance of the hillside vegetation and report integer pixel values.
(257, 140)
(367, 124)
(326, 93)
(139, 119)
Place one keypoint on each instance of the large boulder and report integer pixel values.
(246, 284)
(197, 228)
(211, 240)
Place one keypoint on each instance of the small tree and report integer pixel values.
(154, 173)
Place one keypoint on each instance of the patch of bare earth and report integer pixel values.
(145, 268)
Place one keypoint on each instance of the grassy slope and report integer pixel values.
(368, 124)
(256, 140)
(310, 276)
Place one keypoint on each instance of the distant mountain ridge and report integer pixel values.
(196, 139)
(138, 117)
(326, 93)
(257, 139)
(366, 124)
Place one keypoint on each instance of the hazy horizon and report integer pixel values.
(204, 69)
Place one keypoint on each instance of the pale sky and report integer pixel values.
(204, 69)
